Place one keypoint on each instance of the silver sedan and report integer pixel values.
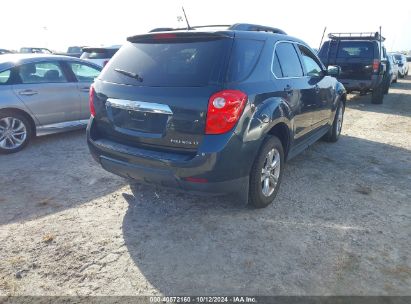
(42, 94)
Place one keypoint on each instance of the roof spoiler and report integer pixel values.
(164, 36)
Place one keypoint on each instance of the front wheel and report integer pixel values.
(15, 132)
(266, 173)
(335, 130)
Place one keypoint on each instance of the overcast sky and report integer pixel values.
(58, 24)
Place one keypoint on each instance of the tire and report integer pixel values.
(15, 132)
(335, 130)
(377, 95)
(387, 89)
(261, 196)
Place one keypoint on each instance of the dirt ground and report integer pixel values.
(339, 226)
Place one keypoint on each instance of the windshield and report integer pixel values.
(398, 57)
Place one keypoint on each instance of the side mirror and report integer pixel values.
(334, 70)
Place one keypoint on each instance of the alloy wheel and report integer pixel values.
(13, 133)
(270, 172)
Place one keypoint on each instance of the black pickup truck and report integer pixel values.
(363, 61)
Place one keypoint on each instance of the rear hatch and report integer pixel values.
(354, 57)
(155, 91)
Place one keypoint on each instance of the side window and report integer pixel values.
(41, 72)
(5, 76)
(310, 63)
(83, 72)
(288, 60)
(244, 58)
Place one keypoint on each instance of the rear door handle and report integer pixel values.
(288, 90)
(28, 92)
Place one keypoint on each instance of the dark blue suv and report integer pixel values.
(215, 110)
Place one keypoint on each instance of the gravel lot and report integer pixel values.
(340, 224)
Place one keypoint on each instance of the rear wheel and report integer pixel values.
(15, 132)
(377, 95)
(266, 173)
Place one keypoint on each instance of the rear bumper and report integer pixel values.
(210, 173)
(362, 85)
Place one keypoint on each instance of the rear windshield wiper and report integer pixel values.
(130, 74)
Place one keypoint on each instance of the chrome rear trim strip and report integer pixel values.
(139, 106)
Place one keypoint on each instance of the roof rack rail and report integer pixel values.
(359, 36)
(234, 27)
(255, 28)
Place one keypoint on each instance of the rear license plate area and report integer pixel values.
(139, 121)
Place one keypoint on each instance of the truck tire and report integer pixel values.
(377, 95)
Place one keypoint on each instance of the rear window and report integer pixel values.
(169, 64)
(399, 58)
(99, 54)
(347, 50)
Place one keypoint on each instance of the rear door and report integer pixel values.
(45, 90)
(155, 91)
(85, 75)
(297, 90)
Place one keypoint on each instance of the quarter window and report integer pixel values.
(84, 73)
(41, 72)
(288, 60)
(4, 77)
(311, 66)
(277, 67)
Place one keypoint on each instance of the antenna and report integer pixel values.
(322, 38)
(381, 44)
(185, 17)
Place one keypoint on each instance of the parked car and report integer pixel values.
(402, 64)
(99, 55)
(392, 67)
(4, 51)
(42, 94)
(35, 50)
(216, 111)
(363, 60)
(73, 51)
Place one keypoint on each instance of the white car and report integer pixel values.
(99, 55)
(402, 64)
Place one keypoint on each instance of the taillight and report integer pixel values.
(376, 65)
(105, 62)
(91, 101)
(224, 110)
